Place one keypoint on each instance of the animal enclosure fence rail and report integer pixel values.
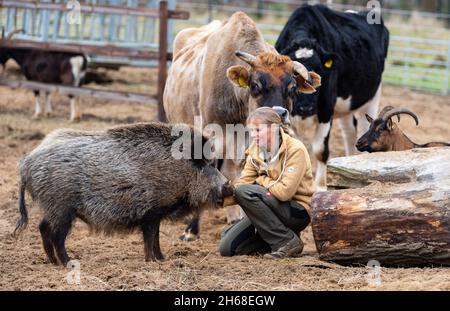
(106, 48)
(122, 23)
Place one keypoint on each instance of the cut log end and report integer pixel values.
(398, 214)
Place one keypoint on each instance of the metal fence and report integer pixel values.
(91, 29)
(415, 61)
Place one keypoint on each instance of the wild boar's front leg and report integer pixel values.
(150, 230)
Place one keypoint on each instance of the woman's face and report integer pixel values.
(263, 135)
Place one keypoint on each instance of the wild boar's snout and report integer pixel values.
(227, 189)
(221, 186)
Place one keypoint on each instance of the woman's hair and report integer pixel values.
(269, 116)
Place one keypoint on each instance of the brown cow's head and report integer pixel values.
(273, 79)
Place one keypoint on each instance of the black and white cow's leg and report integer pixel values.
(370, 108)
(78, 73)
(349, 133)
(75, 112)
(321, 152)
(48, 104)
(37, 105)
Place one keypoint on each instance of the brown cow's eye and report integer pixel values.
(254, 87)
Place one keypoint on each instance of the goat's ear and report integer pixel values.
(389, 124)
(369, 118)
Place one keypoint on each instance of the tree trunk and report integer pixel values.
(399, 213)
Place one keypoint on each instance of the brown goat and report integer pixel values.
(385, 135)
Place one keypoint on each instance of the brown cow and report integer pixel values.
(197, 83)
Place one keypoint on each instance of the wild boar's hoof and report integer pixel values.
(154, 257)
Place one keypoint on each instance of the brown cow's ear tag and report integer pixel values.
(238, 75)
(242, 82)
(329, 63)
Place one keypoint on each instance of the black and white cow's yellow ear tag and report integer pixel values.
(329, 63)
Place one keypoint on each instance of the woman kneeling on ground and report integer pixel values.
(274, 190)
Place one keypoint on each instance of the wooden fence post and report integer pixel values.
(162, 71)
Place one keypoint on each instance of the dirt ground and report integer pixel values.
(117, 263)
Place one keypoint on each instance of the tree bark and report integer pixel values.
(398, 213)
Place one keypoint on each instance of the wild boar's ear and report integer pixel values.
(238, 75)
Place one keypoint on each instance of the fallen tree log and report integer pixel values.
(417, 165)
(398, 213)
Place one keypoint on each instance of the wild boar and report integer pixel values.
(120, 179)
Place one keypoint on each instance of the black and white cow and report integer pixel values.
(349, 54)
(64, 68)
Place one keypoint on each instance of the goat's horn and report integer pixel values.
(246, 57)
(12, 33)
(385, 110)
(397, 111)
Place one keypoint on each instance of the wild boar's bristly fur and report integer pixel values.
(120, 179)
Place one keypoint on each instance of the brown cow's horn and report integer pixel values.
(397, 111)
(246, 57)
(302, 71)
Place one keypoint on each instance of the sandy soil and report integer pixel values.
(117, 263)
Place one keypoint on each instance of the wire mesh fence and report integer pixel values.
(419, 54)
